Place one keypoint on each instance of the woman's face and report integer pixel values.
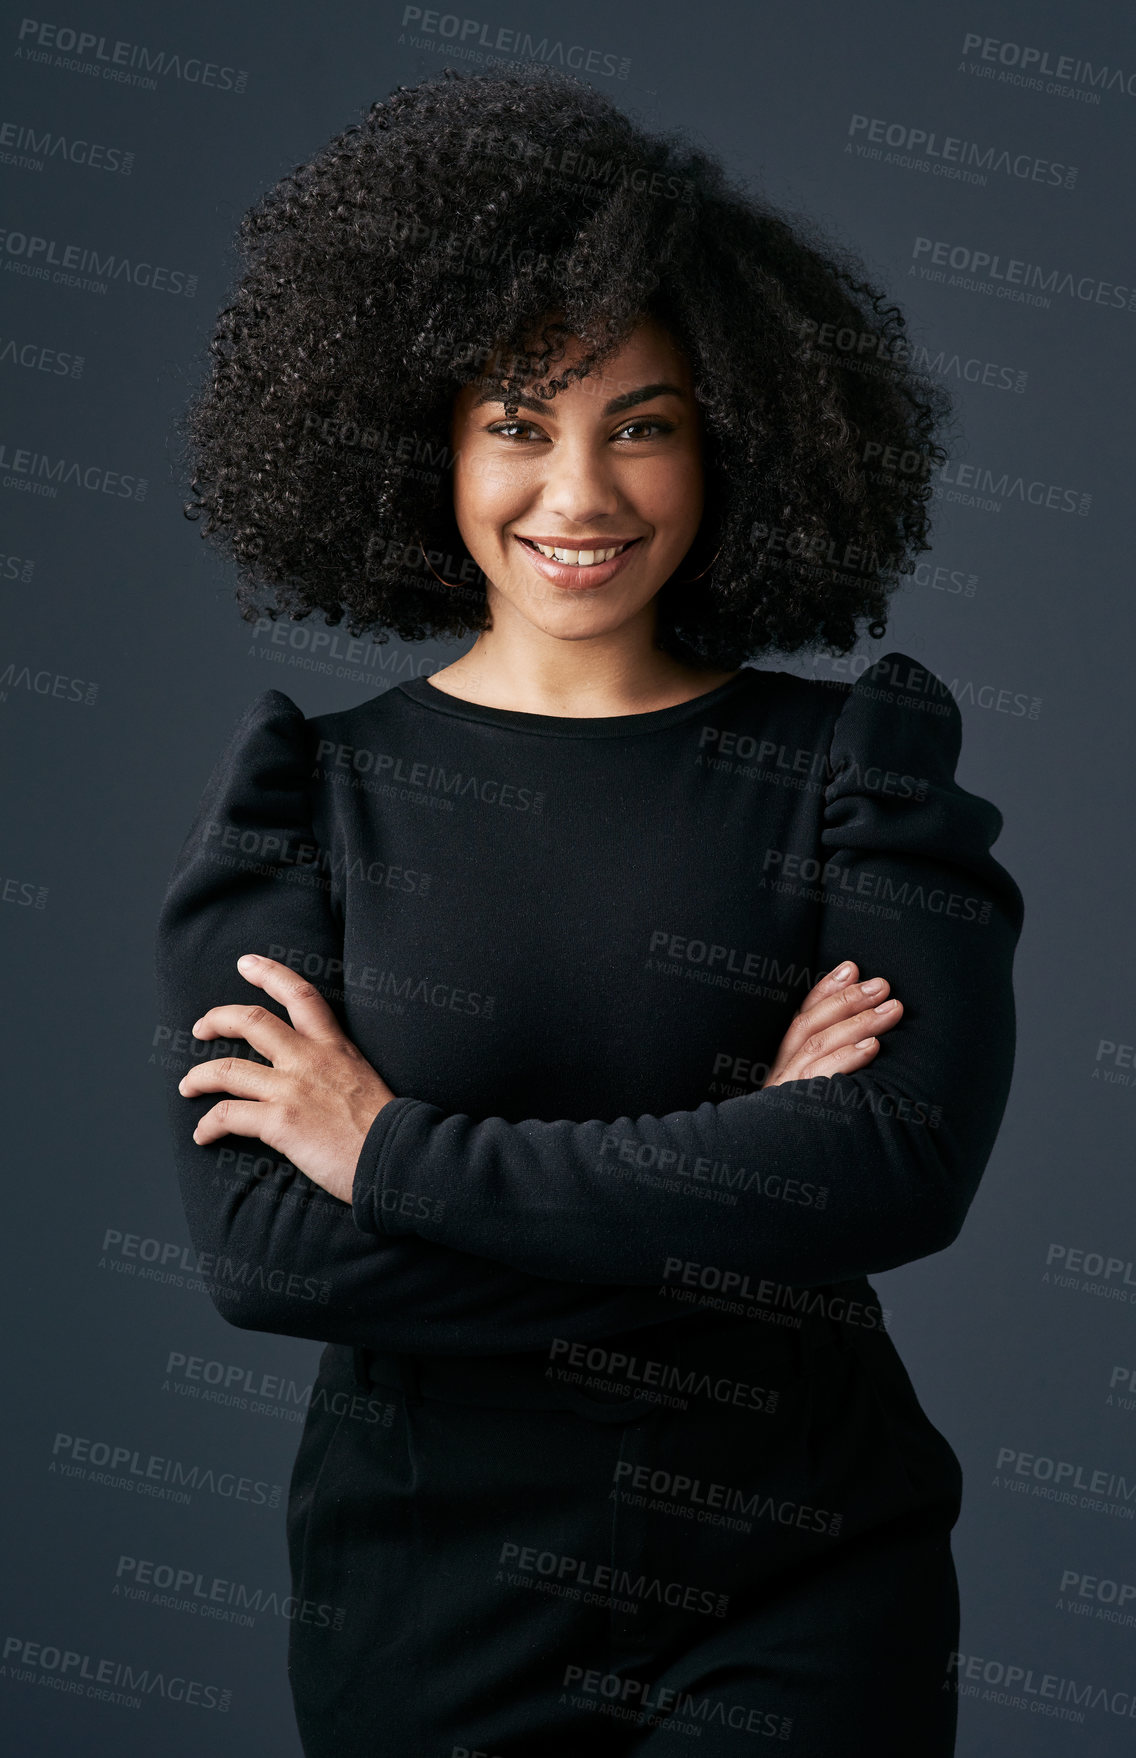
(614, 459)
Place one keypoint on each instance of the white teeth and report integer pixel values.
(580, 558)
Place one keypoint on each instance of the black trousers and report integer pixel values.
(744, 1539)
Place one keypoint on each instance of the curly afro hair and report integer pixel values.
(470, 224)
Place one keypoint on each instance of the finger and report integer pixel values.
(800, 1061)
(307, 1009)
(850, 999)
(846, 1060)
(265, 1031)
(236, 1117)
(229, 1074)
(842, 1033)
(837, 978)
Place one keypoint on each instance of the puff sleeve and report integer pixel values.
(910, 891)
(280, 1253)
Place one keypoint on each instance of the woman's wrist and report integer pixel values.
(370, 1200)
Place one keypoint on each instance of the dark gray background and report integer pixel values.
(122, 593)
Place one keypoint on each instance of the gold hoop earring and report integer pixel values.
(452, 584)
(690, 582)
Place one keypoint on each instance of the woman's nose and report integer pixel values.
(579, 482)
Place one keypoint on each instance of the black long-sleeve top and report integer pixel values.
(572, 947)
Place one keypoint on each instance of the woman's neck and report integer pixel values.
(574, 685)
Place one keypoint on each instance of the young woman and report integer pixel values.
(578, 1027)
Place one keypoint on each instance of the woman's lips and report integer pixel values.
(578, 578)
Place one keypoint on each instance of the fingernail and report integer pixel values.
(863, 1043)
(872, 987)
(196, 1023)
(884, 1006)
(247, 958)
(841, 974)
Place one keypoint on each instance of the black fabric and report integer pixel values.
(898, 838)
(571, 947)
(533, 1582)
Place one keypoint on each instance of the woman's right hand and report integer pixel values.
(836, 1029)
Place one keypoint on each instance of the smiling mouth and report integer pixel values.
(580, 556)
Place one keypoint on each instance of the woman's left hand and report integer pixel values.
(318, 1099)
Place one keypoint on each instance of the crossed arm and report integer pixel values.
(316, 1098)
(501, 1234)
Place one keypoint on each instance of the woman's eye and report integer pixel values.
(520, 429)
(507, 429)
(648, 421)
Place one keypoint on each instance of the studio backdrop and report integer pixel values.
(979, 158)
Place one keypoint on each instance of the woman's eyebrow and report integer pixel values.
(542, 407)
